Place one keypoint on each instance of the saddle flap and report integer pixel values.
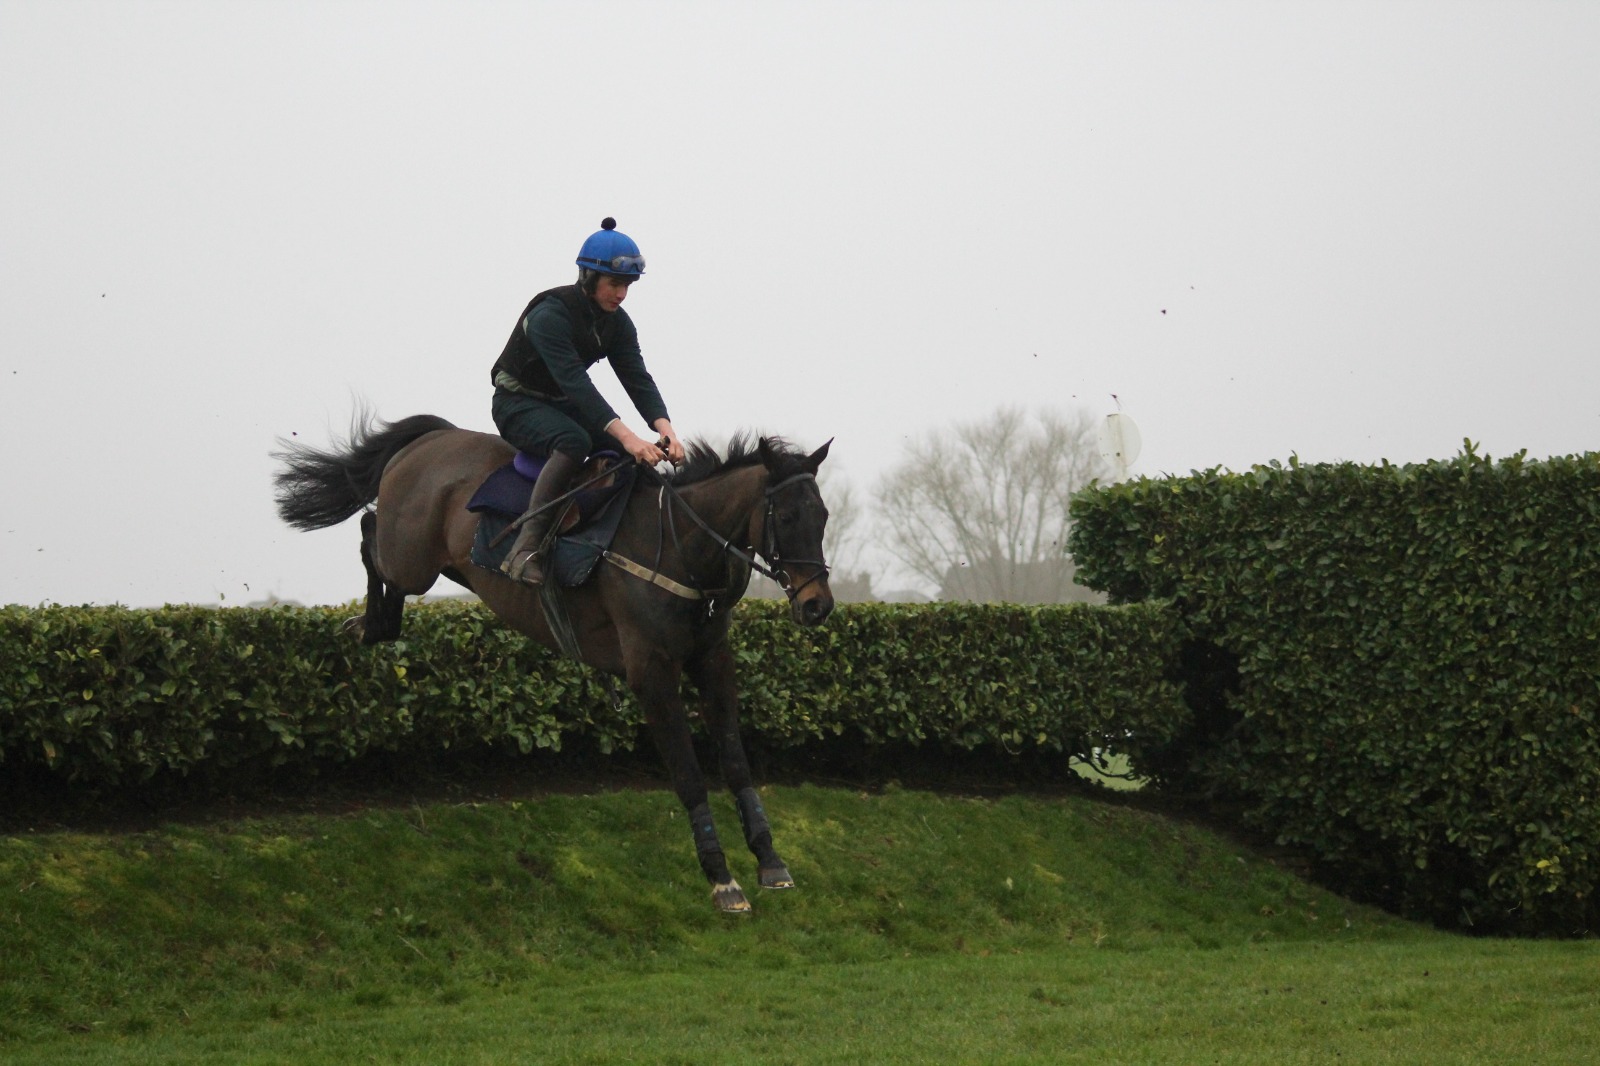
(588, 524)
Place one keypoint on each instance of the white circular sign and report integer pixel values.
(1119, 442)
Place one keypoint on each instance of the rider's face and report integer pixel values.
(609, 292)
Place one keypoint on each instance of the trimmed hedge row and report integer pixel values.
(110, 696)
(1418, 667)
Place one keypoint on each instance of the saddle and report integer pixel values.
(587, 524)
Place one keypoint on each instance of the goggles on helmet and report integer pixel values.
(624, 264)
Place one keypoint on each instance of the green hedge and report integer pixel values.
(110, 696)
(1418, 667)
(1067, 679)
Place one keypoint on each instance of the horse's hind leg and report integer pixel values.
(713, 675)
(384, 605)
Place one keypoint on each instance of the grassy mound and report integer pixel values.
(304, 937)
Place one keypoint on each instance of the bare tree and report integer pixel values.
(981, 512)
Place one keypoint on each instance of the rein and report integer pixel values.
(670, 497)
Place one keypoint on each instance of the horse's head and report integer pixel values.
(792, 527)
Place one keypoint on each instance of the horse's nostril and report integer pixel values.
(815, 611)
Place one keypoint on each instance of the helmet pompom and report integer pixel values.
(608, 223)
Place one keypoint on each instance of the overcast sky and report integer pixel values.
(1340, 230)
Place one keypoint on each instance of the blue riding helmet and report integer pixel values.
(609, 251)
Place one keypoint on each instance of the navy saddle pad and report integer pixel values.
(503, 496)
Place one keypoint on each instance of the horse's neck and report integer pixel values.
(728, 501)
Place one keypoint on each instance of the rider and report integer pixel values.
(544, 402)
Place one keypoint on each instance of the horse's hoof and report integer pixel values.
(776, 877)
(730, 899)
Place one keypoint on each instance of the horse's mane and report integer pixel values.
(702, 461)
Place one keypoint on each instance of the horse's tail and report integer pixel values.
(317, 489)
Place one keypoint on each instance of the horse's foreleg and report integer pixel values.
(713, 675)
(772, 870)
(656, 685)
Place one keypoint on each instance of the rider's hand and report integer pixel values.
(669, 443)
(638, 449)
(644, 451)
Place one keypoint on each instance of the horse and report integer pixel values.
(648, 624)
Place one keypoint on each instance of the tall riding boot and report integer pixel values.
(526, 561)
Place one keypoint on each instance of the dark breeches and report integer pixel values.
(540, 428)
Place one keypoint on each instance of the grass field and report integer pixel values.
(576, 928)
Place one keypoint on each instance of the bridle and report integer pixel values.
(778, 568)
(770, 549)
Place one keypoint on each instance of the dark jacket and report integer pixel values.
(560, 335)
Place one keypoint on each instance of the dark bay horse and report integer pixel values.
(692, 535)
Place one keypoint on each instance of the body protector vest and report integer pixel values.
(592, 335)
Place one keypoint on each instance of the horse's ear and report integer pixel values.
(764, 451)
(814, 460)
